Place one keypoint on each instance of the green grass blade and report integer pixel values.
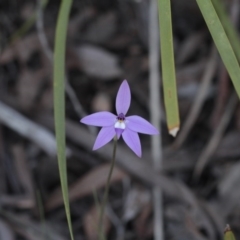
(221, 41)
(228, 234)
(168, 66)
(59, 100)
(228, 27)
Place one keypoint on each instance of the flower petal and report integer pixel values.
(131, 138)
(100, 119)
(139, 124)
(105, 135)
(123, 98)
(119, 132)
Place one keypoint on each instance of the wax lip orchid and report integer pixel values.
(120, 125)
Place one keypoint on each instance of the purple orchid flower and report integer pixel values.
(120, 125)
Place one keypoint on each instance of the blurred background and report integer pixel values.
(108, 41)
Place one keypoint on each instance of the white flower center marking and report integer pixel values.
(120, 124)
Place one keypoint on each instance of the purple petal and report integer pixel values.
(123, 98)
(131, 138)
(105, 135)
(119, 132)
(100, 119)
(139, 124)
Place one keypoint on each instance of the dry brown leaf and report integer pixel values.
(97, 62)
(142, 222)
(228, 190)
(21, 49)
(22, 168)
(19, 201)
(101, 102)
(189, 46)
(185, 223)
(135, 200)
(27, 11)
(101, 30)
(6, 232)
(46, 101)
(229, 146)
(93, 180)
(24, 47)
(24, 174)
(191, 73)
(29, 85)
(31, 230)
(90, 223)
(79, 20)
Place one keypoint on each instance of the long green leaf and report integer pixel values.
(221, 41)
(228, 234)
(59, 100)
(228, 26)
(168, 67)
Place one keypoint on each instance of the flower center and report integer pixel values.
(120, 124)
(121, 117)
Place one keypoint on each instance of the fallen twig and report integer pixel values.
(199, 100)
(25, 127)
(216, 137)
(155, 112)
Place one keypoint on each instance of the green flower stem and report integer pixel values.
(106, 191)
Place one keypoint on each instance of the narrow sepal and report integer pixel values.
(105, 135)
(123, 99)
(139, 124)
(131, 138)
(100, 119)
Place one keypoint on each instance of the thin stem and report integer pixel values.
(105, 197)
(155, 116)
